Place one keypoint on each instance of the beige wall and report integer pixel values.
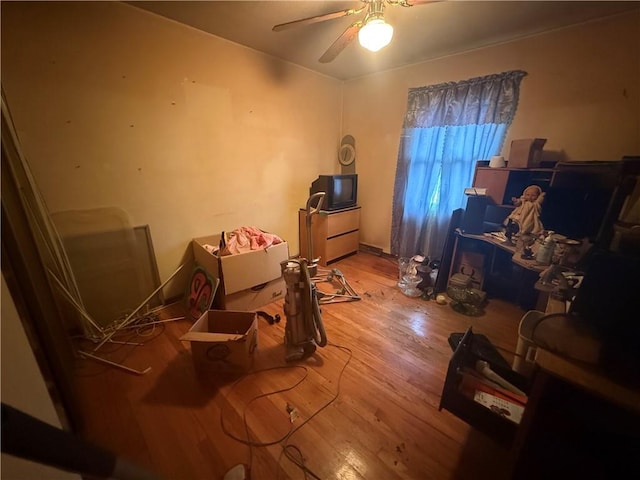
(582, 93)
(186, 132)
(192, 134)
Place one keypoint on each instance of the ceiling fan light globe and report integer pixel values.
(375, 34)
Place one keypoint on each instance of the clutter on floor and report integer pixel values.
(416, 276)
(326, 280)
(103, 247)
(465, 299)
(249, 279)
(201, 290)
(223, 341)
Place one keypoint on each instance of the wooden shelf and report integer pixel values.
(504, 183)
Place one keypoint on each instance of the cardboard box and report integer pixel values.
(255, 297)
(247, 280)
(526, 153)
(472, 265)
(223, 341)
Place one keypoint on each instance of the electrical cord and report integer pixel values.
(248, 441)
(287, 446)
(289, 450)
(299, 463)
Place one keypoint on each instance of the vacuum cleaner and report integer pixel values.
(304, 330)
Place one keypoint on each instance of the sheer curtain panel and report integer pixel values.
(447, 128)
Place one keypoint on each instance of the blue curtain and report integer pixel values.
(447, 128)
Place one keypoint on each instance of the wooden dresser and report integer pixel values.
(335, 234)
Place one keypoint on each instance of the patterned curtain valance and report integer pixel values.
(489, 99)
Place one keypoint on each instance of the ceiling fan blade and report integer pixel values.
(319, 18)
(343, 40)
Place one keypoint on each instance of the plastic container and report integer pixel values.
(523, 362)
(545, 252)
(403, 266)
(410, 288)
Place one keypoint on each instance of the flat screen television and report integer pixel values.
(341, 191)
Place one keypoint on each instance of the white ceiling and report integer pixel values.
(421, 32)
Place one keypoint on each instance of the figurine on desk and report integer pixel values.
(527, 211)
(527, 251)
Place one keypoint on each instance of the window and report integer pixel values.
(447, 128)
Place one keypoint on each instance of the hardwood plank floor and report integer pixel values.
(367, 403)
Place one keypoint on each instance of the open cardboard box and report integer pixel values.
(247, 280)
(223, 341)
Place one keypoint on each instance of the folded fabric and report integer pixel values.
(246, 239)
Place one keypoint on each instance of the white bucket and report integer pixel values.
(526, 347)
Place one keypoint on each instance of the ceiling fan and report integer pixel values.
(373, 32)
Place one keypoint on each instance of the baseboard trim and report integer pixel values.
(363, 247)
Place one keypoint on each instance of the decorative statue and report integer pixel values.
(527, 211)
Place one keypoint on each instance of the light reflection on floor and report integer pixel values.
(353, 467)
(418, 323)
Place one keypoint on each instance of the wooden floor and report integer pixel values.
(366, 404)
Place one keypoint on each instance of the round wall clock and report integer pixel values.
(346, 154)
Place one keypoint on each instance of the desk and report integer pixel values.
(505, 274)
(588, 378)
(578, 423)
(497, 243)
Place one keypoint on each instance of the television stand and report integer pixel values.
(335, 233)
